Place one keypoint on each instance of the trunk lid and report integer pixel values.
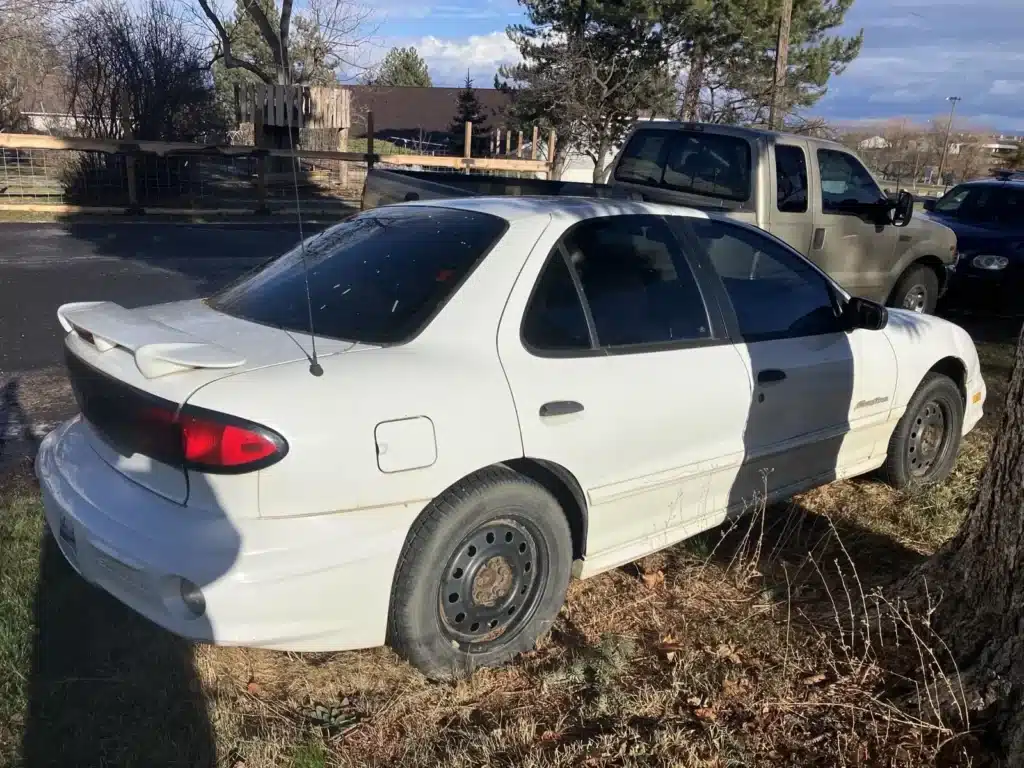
(123, 364)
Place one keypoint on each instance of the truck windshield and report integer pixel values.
(377, 278)
(701, 163)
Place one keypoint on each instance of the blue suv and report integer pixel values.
(988, 219)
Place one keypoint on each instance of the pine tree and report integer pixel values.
(402, 67)
(468, 110)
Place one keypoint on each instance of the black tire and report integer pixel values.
(924, 445)
(917, 290)
(482, 575)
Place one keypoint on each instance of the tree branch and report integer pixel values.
(230, 61)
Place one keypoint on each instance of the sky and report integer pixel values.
(915, 54)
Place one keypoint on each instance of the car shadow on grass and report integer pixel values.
(107, 687)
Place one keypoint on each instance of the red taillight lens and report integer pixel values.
(208, 441)
(211, 444)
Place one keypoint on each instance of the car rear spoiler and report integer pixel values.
(158, 349)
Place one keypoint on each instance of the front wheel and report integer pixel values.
(916, 290)
(482, 575)
(924, 445)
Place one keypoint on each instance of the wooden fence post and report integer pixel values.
(519, 146)
(467, 143)
(551, 154)
(129, 161)
(369, 139)
(261, 157)
(508, 142)
(534, 147)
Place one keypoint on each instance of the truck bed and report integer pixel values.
(387, 187)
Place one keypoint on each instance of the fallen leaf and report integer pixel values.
(254, 688)
(667, 647)
(705, 713)
(813, 679)
(654, 579)
(728, 652)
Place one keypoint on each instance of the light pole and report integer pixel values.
(945, 145)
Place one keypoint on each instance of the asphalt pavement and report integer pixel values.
(134, 264)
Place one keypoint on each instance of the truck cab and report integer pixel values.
(812, 193)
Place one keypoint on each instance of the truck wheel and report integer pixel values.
(482, 575)
(924, 445)
(916, 290)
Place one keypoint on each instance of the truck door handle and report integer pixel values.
(560, 408)
(819, 239)
(770, 376)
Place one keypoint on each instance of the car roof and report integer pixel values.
(529, 206)
(732, 130)
(1010, 183)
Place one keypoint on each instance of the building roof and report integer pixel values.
(407, 110)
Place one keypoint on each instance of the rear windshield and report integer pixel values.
(377, 278)
(709, 164)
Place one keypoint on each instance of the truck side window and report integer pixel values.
(791, 178)
(775, 293)
(845, 181)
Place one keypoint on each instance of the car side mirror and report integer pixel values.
(903, 210)
(866, 314)
(929, 205)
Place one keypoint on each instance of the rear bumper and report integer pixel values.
(305, 584)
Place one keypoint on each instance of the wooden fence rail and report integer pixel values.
(132, 150)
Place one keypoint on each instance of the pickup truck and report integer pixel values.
(814, 194)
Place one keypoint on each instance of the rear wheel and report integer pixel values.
(482, 575)
(924, 445)
(916, 290)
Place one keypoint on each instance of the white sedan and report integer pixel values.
(504, 393)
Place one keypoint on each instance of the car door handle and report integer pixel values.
(560, 408)
(770, 376)
(819, 239)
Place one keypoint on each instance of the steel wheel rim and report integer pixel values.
(916, 299)
(929, 437)
(492, 583)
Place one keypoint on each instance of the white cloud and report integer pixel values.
(449, 59)
(1006, 88)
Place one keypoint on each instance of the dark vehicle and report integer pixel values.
(988, 218)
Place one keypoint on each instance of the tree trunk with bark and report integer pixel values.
(689, 110)
(978, 580)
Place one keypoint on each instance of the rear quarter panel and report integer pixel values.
(450, 375)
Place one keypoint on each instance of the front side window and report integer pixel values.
(375, 278)
(790, 179)
(845, 181)
(695, 162)
(774, 292)
(637, 285)
(983, 203)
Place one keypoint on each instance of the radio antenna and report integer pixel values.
(314, 365)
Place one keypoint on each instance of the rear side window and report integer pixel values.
(708, 164)
(790, 179)
(637, 285)
(376, 278)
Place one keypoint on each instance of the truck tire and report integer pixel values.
(482, 575)
(916, 290)
(924, 445)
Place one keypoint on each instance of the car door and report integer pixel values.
(851, 242)
(821, 393)
(790, 218)
(622, 375)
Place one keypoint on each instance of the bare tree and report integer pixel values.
(328, 34)
(146, 57)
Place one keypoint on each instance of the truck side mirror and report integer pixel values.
(903, 210)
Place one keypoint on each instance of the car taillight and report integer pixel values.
(207, 441)
(210, 444)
